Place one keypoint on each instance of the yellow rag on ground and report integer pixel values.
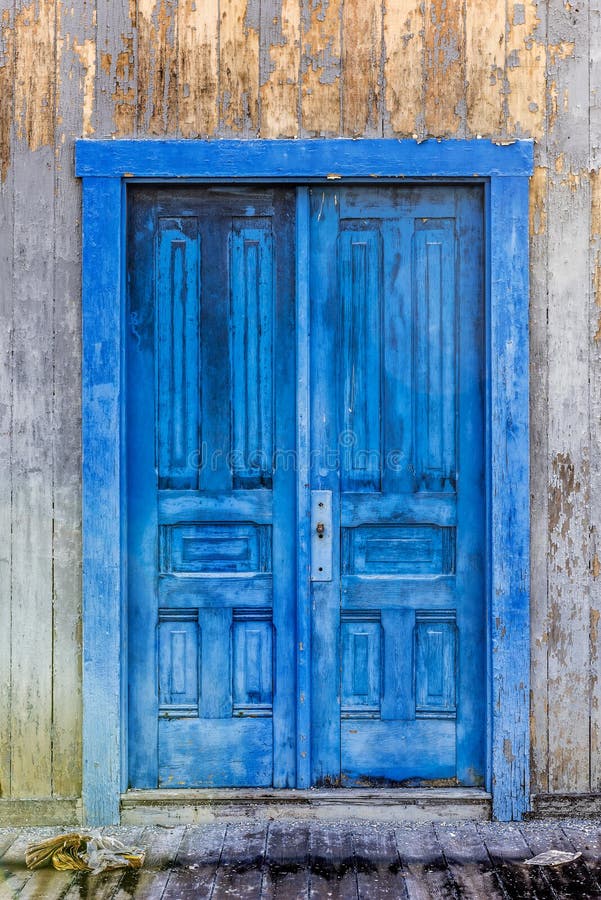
(83, 852)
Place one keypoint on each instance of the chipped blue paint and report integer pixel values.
(105, 167)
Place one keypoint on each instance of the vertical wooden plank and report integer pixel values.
(539, 401)
(595, 383)
(485, 67)
(7, 65)
(33, 162)
(115, 101)
(303, 608)
(509, 495)
(101, 430)
(280, 65)
(197, 52)
(321, 67)
(362, 68)
(239, 67)
(157, 58)
(525, 70)
(403, 67)
(75, 108)
(444, 69)
(568, 223)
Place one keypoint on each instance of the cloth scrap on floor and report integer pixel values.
(92, 852)
(552, 858)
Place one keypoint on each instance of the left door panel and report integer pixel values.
(210, 434)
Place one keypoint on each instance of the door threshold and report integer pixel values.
(197, 807)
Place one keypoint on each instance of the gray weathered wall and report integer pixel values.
(96, 68)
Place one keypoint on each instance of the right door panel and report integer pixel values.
(399, 626)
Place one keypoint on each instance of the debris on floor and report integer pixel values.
(552, 858)
(92, 852)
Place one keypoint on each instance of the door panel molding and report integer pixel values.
(106, 168)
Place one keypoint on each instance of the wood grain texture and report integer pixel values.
(280, 68)
(197, 51)
(115, 110)
(568, 219)
(485, 67)
(595, 387)
(239, 67)
(32, 375)
(362, 68)
(321, 68)
(157, 66)
(6, 405)
(444, 68)
(403, 67)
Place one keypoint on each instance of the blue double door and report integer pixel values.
(395, 433)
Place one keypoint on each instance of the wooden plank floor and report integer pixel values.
(311, 860)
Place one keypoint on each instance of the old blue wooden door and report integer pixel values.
(398, 630)
(211, 532)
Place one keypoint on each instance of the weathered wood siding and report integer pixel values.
(312, 68)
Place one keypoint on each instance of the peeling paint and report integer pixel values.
(444, 67)
(320, 68)
(7, 67)
(239, 65)
(198, 42)
(36, 63)
(157, 66)
(538, 202)
(86, 52)
(279, 90)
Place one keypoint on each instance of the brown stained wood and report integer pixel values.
(193, 875)
(7, 76)
(239, 67)
(508, 850)
(403, 67)
(35, 50)
(240, 871)
(161, 846)
(444, 70)
(332, 863)
(286, 871)
(424, 867)
(485, 67)
(468, 861)
(525, 71)
(157, 67)
(572, 880)
(379, 872)
(280, 65)
(361, 68)
(115, 112)
(321, 67)
(197, 49)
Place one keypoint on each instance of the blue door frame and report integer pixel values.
(106, 168)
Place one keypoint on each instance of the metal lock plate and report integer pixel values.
(321, 535)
